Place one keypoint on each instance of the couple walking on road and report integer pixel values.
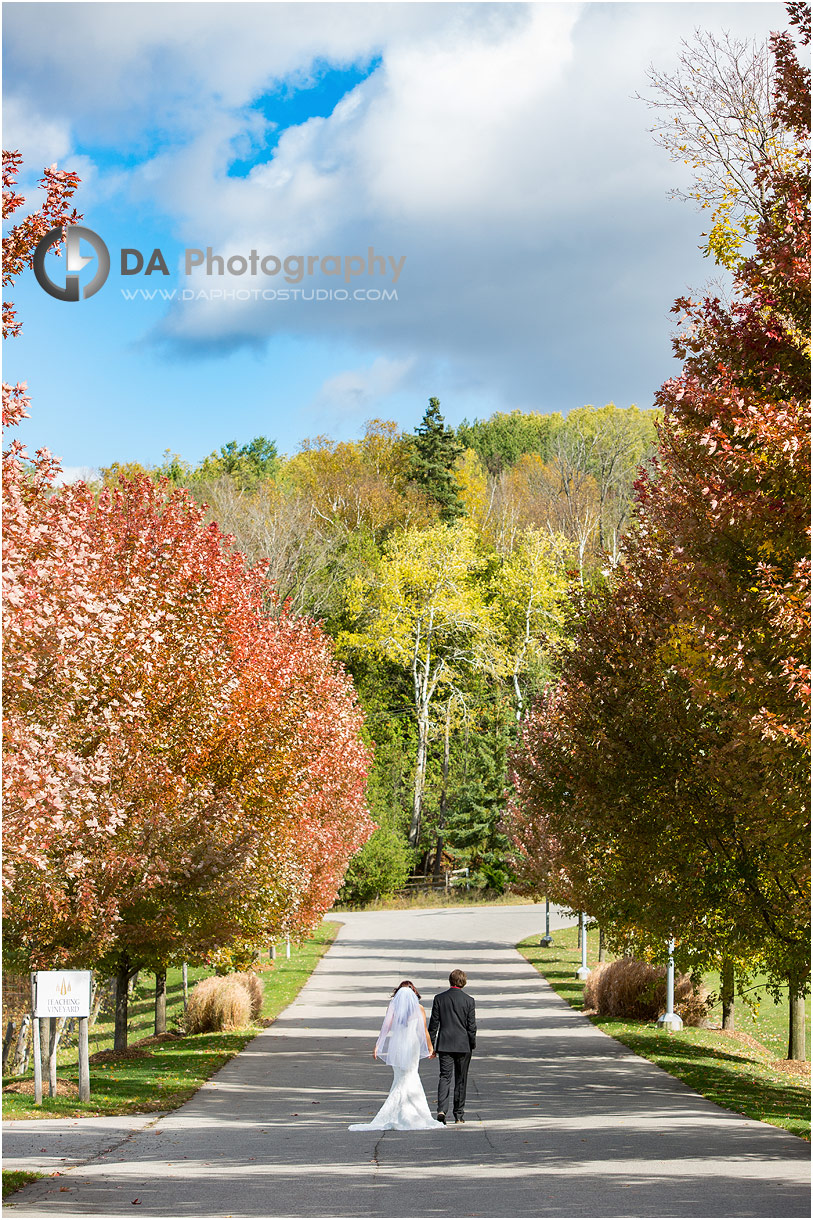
(405, 1039)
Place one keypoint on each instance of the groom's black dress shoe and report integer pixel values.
(441, 1117)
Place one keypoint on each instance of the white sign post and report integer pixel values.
(36, 1050)
(62, 993)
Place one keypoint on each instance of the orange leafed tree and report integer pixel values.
(183, 761)
(20, 242)
(664, 785)
(183, 769)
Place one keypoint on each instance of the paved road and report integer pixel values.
(563, 1121)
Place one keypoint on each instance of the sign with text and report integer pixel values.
(62, 993)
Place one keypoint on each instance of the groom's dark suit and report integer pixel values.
(453, 1034)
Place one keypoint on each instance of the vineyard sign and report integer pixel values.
(62, 993)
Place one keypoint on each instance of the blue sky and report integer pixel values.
(497, 149)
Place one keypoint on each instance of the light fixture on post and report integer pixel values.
(547, 939)
(583, 969)
(670, 1019)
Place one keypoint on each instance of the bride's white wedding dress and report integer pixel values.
(402, 1043)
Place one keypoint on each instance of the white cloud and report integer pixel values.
(357, 390)
(451, 134)
(126, 65)
(77, 474)
(498, 147)
(41, 139)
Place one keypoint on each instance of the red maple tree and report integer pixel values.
(664, 785)
(183, 762)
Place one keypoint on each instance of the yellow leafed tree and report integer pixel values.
(425, 608)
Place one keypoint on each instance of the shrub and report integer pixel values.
(224, 1002)
(380, 868)
(200, 1009)
(691, 1002)
(592, 986)
(232, 1005)
(631, 988)
(255, 991)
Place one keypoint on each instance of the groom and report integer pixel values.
(453, 1016)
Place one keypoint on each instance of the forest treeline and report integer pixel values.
(439, 560)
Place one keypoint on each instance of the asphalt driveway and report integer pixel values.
(562, 1120)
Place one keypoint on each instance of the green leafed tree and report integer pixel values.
(502, 439)
(473, 825)
(529, 591)
(247, 464)
(379, 869)
(424, 608)
(434, 456)
(609, 443)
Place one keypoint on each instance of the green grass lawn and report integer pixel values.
(14, 1179)
(160, 1074)
(744, 1072)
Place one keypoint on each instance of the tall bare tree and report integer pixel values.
(715, 113)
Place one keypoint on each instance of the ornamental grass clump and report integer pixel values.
(232, 1005)
(254, 988)
(637, 990)
(592, 987)
(222, 1003)
(200, 1009)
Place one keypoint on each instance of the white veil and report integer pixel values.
(403, 1039)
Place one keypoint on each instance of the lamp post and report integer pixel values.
(583, 969)
(547, 939)
(670, 1019)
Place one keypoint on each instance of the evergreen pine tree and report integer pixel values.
(435, 451)
(473, 831)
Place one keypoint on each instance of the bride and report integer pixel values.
(402, 1042)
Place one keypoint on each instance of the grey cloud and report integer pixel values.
(542, 255)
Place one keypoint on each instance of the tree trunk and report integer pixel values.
(519, 700)
(436, 867)
(443, 790)
(96, 1003)
(55, 1025)
(796, 1021)
(602, 948)
(420, 778)
(185, 973)
(122, 979)
(161, 1001)
(727, 993)
(7, 1041)
(44, 1028)
(23, 1048)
